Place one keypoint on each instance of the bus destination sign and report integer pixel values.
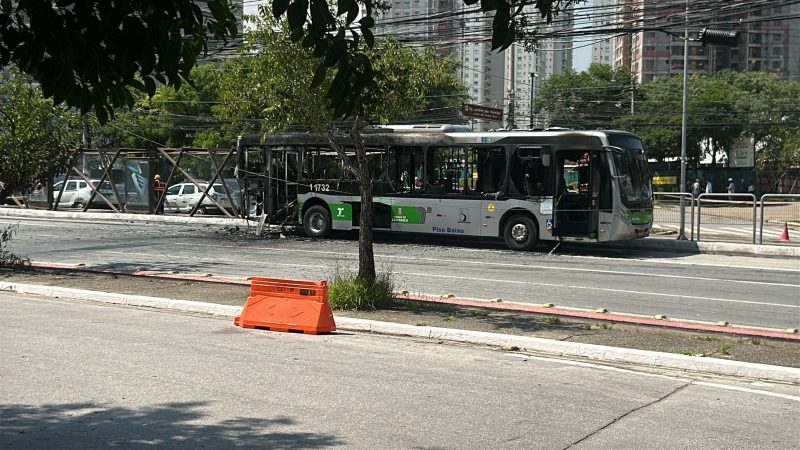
(482, 112)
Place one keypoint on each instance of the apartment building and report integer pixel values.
(503, 80)
(769, 38)
(603, 16)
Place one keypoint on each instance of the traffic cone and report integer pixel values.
(785, 234)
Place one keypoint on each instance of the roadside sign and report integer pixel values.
(482, 112)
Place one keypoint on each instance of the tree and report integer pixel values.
(90, 54)
(35, 136)
(338, 33)
(592, 99)
(273, 82)
(769, 106)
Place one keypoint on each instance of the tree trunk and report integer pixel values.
(366, 257)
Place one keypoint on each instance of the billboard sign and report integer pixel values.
(743, 152)
(482, 112)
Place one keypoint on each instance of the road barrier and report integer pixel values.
(777, 210)
(287, 305)
(667, 209)
(727, 209)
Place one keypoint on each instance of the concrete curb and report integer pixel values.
(655, 244)
(554, 347)
(716, 248)
(116, 217)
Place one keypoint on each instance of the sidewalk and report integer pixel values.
(551, 347)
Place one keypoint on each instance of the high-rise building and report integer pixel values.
(769, 38)
(505, 79)
(604, 17)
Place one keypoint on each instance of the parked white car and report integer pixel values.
(76, 194)
(182, 197)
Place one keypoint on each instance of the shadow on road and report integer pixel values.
(172, 425)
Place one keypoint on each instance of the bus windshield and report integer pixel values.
(634, 176)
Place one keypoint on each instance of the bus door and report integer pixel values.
(578, 178)
(284, 171)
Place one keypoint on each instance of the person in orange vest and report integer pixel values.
(158, 186)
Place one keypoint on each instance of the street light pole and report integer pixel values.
(684, 123)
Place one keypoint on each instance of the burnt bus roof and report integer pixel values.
(568, 139)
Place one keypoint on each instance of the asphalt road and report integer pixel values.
(81, 375)
(741, 290)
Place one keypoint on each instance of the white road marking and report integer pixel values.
(597, 366)
(521, 266)
(620, 291)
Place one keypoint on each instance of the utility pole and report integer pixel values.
(533, 77)
(511, 122)
(684, 123)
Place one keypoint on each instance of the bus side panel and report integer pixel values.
(460, 217)
(412, 214)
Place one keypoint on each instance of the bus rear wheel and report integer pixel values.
(521, 233)
(317, 221)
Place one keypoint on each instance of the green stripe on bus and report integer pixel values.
(640, 217)
(408, 214)
(341, 211)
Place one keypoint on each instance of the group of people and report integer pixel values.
(743, 187)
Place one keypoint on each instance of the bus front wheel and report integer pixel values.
(520, 233)
(317, 221)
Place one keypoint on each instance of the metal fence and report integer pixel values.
(727, 214)
(667, 211)
(778, 212)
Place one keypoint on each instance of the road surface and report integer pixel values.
(741, 290)
(80, 375)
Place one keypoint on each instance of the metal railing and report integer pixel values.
(667, 209)
(783, 209)
(725, 209)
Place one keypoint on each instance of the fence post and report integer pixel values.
(699, 214)
(691, 232)
(754, 217)
(761, 223)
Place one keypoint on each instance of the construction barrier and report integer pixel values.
(287, 305)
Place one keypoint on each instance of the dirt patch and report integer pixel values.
(717, 345)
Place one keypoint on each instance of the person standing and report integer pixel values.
(696, 188)
(158, 189)
(731, 188)
(709, 187)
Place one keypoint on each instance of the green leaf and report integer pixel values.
(296, 15)
(367, 22)
(369, 38)
(319, 75)
(346, 5)
(502, 31)
(279, 7)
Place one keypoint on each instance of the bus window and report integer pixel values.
(528, 173)
(449, 170)
(322, 164)
(406, 169)
(491, 170)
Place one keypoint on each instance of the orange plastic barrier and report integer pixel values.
(287, 305)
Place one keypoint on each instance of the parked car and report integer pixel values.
(76, 193)
(108, 193)
(182, 197)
